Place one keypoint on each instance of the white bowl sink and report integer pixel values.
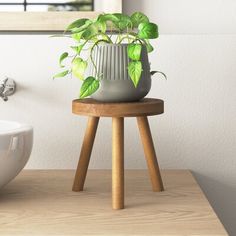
(16, 141)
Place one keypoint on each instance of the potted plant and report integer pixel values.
(117, 63)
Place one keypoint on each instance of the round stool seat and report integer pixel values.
(145, 107)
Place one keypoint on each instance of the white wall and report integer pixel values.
(188, 16)
(198, 129)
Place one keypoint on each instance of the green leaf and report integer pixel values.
(123, 22)
(148, 31)
(82, 27)
(91, 31)
(120, 21)
(101, 26)
(61, 74)
(62, 58)
(77, 36)
(89, 86)
(78, 67)
(138, 18)
(77, 24)
(134, 51)
(148, 46)
(78, 49)
(107, 17)
(135, 71)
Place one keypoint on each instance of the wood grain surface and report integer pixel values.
(42, 203)
(118, 163)
(40, 21)
(51, 21)
(150, 154)
(145, 107)
(85, 154)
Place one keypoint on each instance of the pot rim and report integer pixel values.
(115, 44)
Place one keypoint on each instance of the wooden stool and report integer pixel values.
(95, 110)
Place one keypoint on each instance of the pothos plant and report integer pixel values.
(135, 30)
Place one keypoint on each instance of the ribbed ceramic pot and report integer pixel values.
(116, 86)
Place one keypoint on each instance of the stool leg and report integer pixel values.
(150, 154)
(118, 163)
(85, 154)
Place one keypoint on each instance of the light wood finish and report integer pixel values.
(141, 109)
(118, 163)
(146, 107)
(85, 154)
(51, 21)
(40, 21)
(42, 203)
(150, 154)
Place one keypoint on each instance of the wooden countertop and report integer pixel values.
(42, 203)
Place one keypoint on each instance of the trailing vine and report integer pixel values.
(135, 30)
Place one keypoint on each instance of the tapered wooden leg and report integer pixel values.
(85, 154)
(118, 163)
(150, 154)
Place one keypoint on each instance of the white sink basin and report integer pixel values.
(16, 141)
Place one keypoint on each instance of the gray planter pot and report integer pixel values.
(116, 85)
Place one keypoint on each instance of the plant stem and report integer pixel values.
(91, 56)
(125, 37)
(127, 30)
